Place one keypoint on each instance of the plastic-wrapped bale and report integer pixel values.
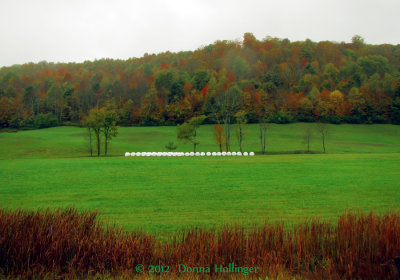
(228, 154)
(233, 154)
(127, 154)
(208, 154)
(223, 154)
(245, 154)
(191, 154)
(197, 154)
(187, 154)
(219, 154)
(133, 154)
(239, 154)
(202, 154)
(138, 154)
(214, 154)
(153, 154)
(251, 154)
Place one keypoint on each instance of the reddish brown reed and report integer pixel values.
(66, 243)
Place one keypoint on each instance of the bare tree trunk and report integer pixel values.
(226, 128)
(98, 143)
(265, 139)
(90, 141)
(229, 138)
(240, 138)
(322, 128)
(263, 136)
(105, 146)
(195, 141)
(261, 139)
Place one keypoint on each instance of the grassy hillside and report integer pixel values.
(61, 142)
(50, 168)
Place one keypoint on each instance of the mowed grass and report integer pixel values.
(50, 168)
(62, 142)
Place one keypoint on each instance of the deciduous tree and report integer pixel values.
(219, 135)
(187, 132)
(322, 129)
(241, 120)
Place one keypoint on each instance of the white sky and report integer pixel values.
(78, 30)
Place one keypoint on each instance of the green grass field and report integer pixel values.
(51, 168)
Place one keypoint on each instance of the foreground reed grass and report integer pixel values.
(69, 244)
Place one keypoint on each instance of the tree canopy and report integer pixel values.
(306, 81)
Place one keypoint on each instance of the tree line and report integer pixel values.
(269, 80)
(187, 133)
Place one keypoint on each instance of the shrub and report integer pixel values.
(282, 117)
(45, 120)
(69, 244)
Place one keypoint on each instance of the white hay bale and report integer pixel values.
(153, 154)
(239, 154)
(127, 154)
(187, 154)
(233, 154)
(191, 154)
(228, 154)
(252, 154)
(245, 154)
(214, 154)
(197, 154)
(219, 154)
(208, 154)
(223, 154)
(202, 154)
(138, 154)
(133, 154)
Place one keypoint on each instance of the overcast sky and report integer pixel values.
(78, 30)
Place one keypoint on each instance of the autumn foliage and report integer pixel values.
(302, 81)
(67, 244)
(219, 135)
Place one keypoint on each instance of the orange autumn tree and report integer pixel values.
(219, 135)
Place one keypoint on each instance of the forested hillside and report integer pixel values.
(272, 79)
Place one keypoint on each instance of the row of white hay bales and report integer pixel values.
(187, 154)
